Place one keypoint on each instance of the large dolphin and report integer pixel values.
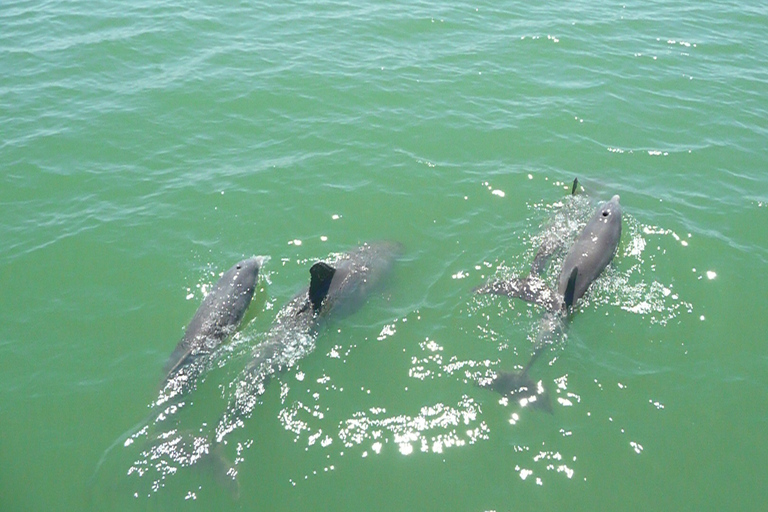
(216, 319)
(586, 259)
(337, 287)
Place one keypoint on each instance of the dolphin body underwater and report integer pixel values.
(586, 259)
(217, 318)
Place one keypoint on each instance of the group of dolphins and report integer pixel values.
(340, 285)
(336, 287)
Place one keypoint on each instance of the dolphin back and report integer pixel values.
(357, 274)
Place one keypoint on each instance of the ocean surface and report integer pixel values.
(145, 147)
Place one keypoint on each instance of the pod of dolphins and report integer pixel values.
(340, 285)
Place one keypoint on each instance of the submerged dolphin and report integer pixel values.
(219, 315)
(216, 319)
(590, 253)
(337, 288)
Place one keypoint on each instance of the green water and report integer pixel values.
(146, 147)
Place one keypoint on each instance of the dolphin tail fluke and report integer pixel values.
(320, 282)
(224, 472)
(519, 386)
(531, 289)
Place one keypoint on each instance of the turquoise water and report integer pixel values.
(147, 146)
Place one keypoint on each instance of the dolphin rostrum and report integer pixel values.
(590, 253)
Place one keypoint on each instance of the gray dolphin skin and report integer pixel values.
(216, 319)
(338, 287)
(586, 259)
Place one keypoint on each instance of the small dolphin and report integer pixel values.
(217, 317)
(586, 259)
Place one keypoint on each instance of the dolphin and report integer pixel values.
(337, 288)
(586, 259)
(216, 319)
(219, 315)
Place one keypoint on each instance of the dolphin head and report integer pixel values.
(607, 227)
(608, 219)
(248, 269)
(610, 212)
(611, 215)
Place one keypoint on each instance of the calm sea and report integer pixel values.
(145, 147)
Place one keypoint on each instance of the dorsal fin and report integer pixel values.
(571, 288)
(575, 186)
(320, 282)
